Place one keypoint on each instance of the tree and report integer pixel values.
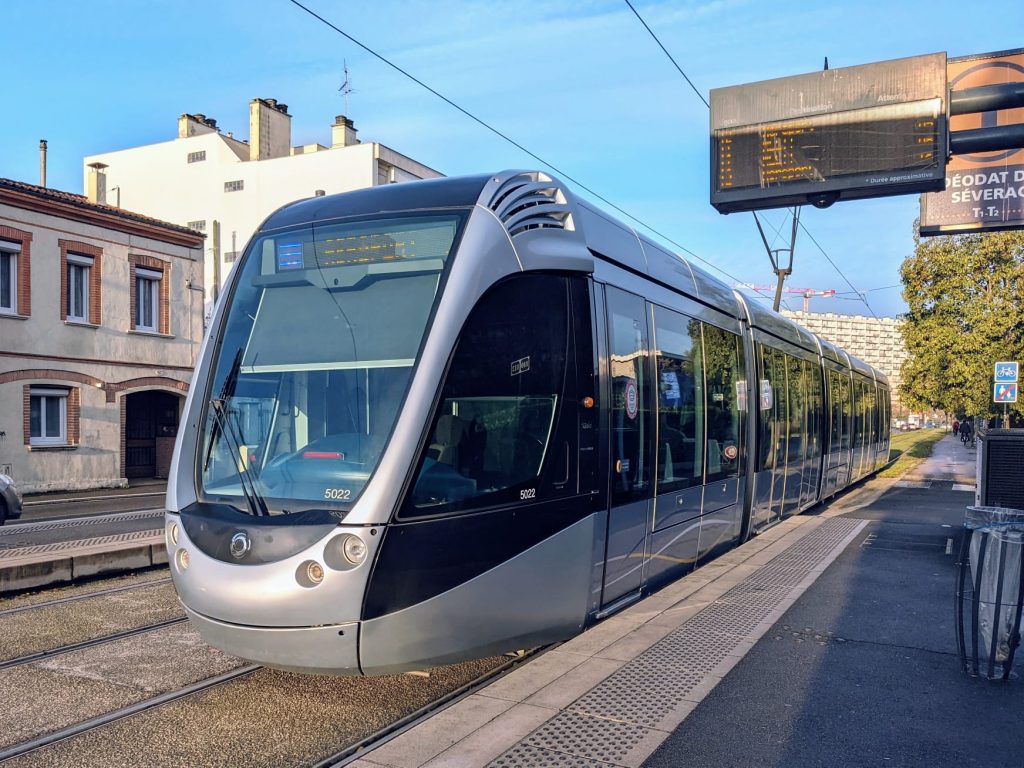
(964, 294)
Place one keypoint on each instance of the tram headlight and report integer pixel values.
(315, 572)
(181, 558)
(354, 549)
(172, 532)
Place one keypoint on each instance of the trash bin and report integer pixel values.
(990, 591)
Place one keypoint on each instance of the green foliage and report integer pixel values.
(965, 314)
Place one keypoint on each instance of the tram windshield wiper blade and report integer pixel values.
(252, 497)
(257, 506)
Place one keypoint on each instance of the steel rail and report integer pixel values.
(85, 596)
(77, 729)
(70, 648)
(358, 749)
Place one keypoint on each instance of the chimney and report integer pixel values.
(343, 132)
(270, 129)
(96, 187)
(193, 125)
(42, 162)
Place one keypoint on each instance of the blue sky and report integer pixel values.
(580, 84)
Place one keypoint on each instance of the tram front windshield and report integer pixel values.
(317, 351)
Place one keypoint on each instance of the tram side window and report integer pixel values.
(815, 407)
(680, 401)
(797, 412)
(846, 405)
(630, 404)
(836, 411)
(726, 390)
(506, 426)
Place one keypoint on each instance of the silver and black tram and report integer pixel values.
(438, 420)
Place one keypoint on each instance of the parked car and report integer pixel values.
(10, 500)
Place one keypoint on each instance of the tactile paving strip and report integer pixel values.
(522, 754)
(610, 720)
(54, 525)
(70, 546)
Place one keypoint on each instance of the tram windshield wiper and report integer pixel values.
(222, 426)
(252, 497)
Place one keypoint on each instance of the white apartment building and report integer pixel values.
(876, 341)
(225, 187)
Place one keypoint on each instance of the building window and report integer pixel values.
(48, 416)
(198, 226)
(79, 274)
(197, 157)
(230, 256)
(147, 299)
(9, 277)
(234, 186)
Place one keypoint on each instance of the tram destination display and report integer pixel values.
(855, 132)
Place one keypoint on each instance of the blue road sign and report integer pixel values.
(1004, 393)
(1006, 371)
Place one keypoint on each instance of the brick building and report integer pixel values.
(100, 326)
(876, 341)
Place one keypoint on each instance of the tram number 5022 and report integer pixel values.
(529, 493)
(337, 494)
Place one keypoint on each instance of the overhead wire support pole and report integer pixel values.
(781, 273)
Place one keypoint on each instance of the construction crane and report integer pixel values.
(807, 293)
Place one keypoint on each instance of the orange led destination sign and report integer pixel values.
(868, 131)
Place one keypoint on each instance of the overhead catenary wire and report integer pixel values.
(512, 141)
(706, 104)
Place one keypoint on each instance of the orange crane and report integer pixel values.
(807, 293)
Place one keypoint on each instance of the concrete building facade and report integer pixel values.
(876, 341)
(100, 327)
(215, 183)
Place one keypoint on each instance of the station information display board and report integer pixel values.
(867, 131)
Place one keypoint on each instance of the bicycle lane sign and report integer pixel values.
(1005, 372)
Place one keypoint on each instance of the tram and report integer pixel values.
(444, 419)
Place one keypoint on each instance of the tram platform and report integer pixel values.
(39, 553)
(826, 640)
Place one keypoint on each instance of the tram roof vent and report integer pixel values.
(531, 201)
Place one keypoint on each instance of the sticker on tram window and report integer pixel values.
(632, 399)
(741, 395)
(529, 493)
(522, 365)
(766, 395)
(730, 452)
(337, 494)
(289, 256)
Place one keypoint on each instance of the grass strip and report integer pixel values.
(912, 448)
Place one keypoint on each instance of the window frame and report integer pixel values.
(43, 393)
(83, 266)
(150, 279)
(13, 252)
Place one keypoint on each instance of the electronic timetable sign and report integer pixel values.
(867, 131)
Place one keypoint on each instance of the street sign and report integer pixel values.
(1005, 371)
(1004, 393)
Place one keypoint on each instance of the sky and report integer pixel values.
(579, 83)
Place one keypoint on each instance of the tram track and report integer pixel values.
(85, 596)
(353, 751)
(342, 756)
(108, 718)
(91, 643)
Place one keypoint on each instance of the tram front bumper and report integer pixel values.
(328, 650)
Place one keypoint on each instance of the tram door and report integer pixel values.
(632, 443)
